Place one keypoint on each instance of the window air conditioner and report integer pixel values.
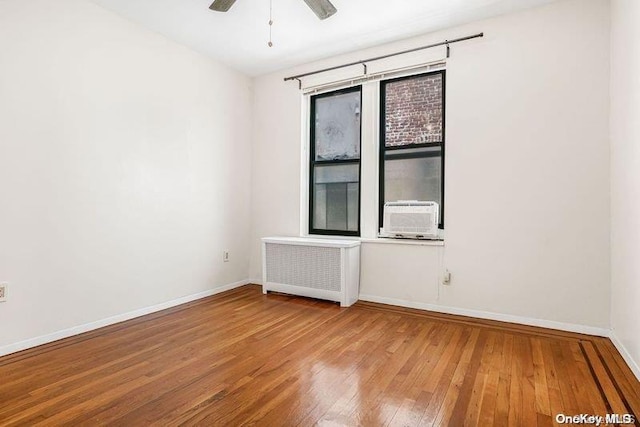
(410, 219)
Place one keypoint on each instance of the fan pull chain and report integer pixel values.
(270, 44)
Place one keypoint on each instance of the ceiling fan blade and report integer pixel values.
(221, 5)
(322, 8)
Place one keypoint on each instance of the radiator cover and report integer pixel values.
(318, 268)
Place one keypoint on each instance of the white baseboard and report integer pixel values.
(570, 327)
(635, 368)
(76, 330)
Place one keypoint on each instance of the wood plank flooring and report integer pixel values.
(243, 358)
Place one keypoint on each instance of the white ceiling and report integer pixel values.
(239, 37)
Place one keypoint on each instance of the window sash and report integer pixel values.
(409, 151)
(313, 163)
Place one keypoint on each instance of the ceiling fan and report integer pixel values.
(322, 8)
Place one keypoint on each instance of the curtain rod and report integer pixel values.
(363, 62)
(375, 76)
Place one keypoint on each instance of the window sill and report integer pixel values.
(410, 242)
(381, 240)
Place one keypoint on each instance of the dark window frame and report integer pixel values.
(397, 150)
(313, 163)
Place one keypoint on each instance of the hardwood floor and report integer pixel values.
(245, 358)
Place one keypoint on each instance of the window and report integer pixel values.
(334, 180)
(412, 140)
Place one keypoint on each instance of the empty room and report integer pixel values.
(319, 212)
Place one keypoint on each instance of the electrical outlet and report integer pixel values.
(3, 291)
(446, 278)
(225, 256)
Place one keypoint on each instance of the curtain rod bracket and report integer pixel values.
(448, 49)
(365, 67)
(299, 83)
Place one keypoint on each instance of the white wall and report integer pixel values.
(527, 184)
(123, 168)
(625, 177)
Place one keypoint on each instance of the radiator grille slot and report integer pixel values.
(306, 266)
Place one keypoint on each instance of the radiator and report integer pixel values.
(316, 268)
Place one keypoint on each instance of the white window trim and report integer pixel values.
(369, 155)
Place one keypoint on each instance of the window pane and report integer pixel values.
(336, 197)
(337, 126)
(413, 179)
(413, 110)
